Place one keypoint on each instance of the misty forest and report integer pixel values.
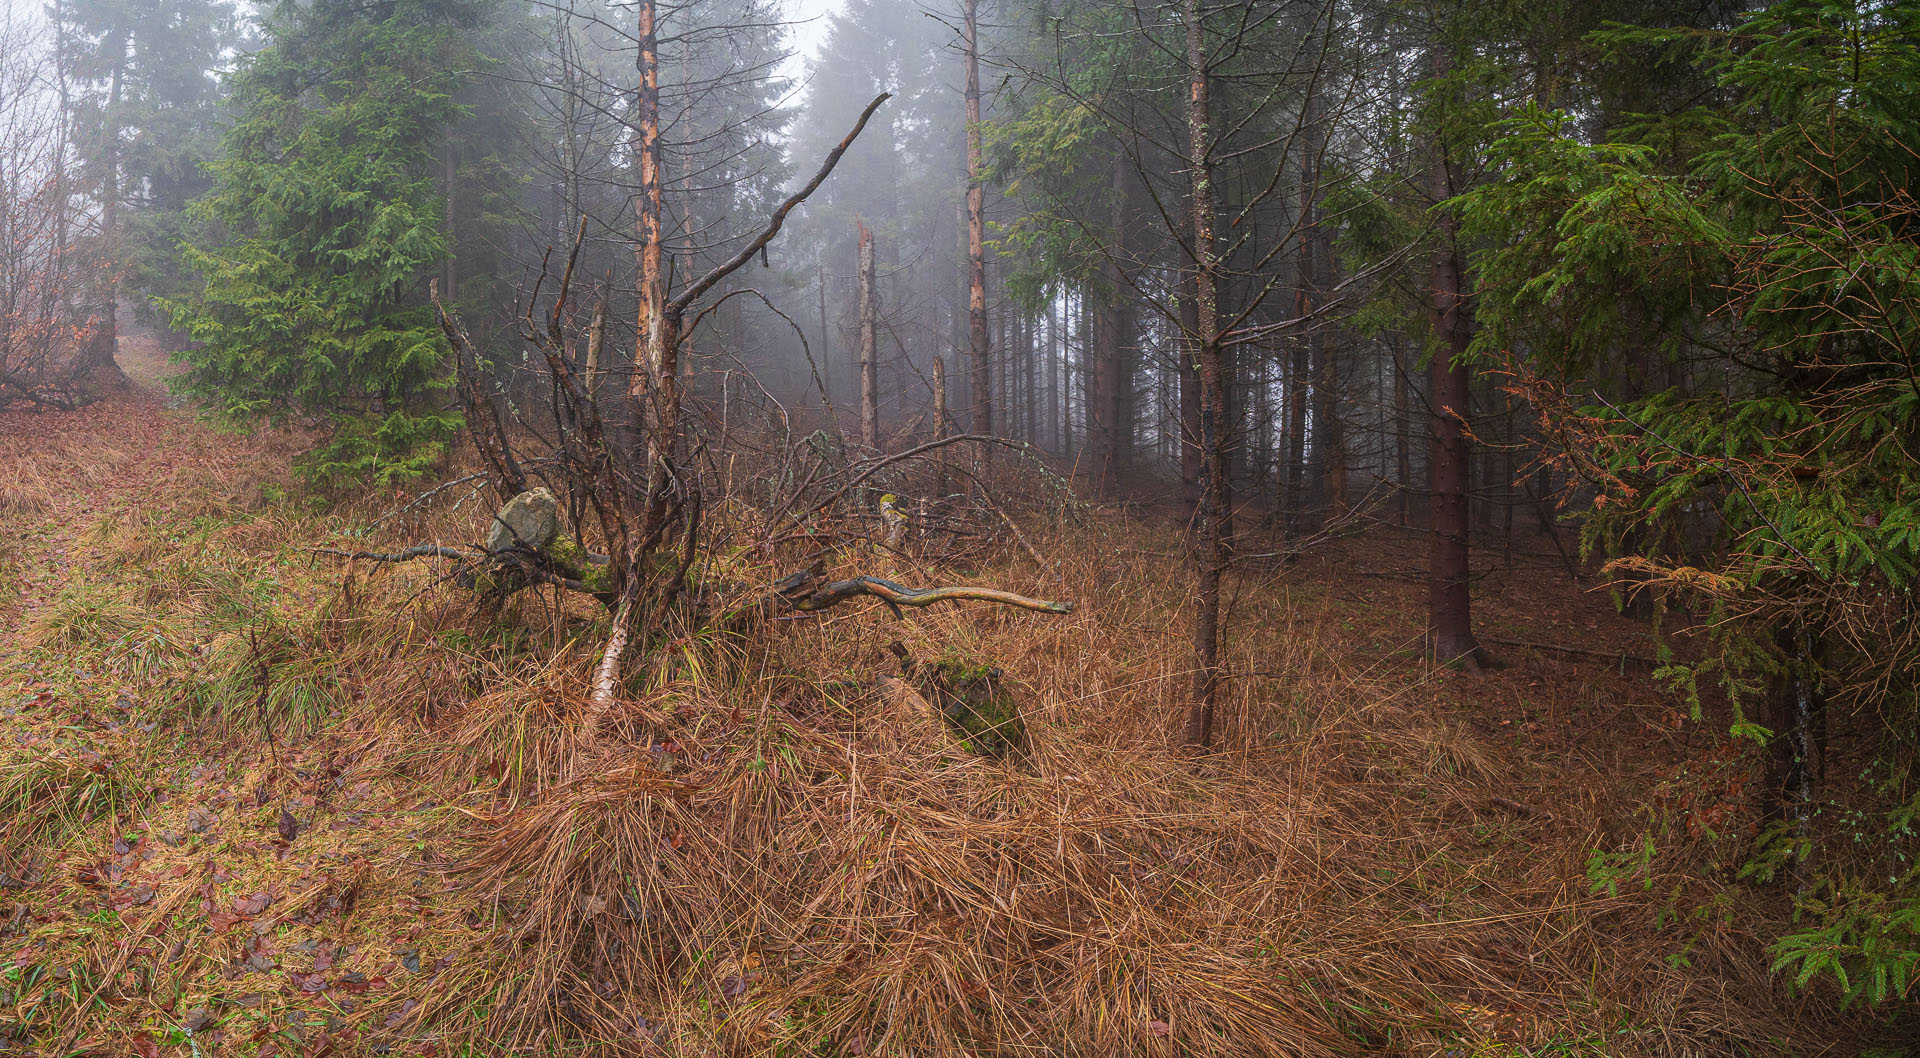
(959, 528)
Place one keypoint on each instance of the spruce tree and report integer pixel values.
(313, 305)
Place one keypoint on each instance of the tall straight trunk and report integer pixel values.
(826, 345)
(1207, 544)
(1449, 603)
(980, 366)
(869, 342)
(1105, 441)
(1308, 280)
(1402, 441)
(99, 352)
(570, 100)
(449, 275)
(61, 196)
(1055, 434)
(653, 377)
(1029, 357)
(939, 426)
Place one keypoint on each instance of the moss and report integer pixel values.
(975, 703)
(571, 559)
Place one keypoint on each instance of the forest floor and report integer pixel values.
(252, 803)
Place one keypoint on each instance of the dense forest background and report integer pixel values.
(1633, 286)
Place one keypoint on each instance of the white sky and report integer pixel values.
(809, 31)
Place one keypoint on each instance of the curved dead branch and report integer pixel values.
(898, 595)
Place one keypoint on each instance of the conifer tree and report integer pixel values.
(314, 304)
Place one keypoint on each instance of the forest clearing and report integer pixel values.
(959, 528)
(1379, 857)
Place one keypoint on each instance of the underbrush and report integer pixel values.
(788, 853)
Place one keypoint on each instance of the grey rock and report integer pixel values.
(531, 519)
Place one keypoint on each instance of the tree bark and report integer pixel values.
(1449, 603)
(981, 421)
(98, 358)
(869, 367)
(1206, 531)
(1109, 430)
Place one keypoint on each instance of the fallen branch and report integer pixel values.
(898, 595)
(1621, 656)
(407, 555)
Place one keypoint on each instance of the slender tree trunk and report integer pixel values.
(979, 362)
(1110, 380)
(1206, 533)
(1402, 439)
(1449, 604)
(869, 366)
(826, 345)
(939, 426)
(449, 274)
(651, 379)
(99, 353)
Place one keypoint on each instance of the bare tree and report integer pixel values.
(49, 312)
(869, 346)
(979, 356)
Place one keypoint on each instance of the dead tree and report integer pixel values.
(979, 361)
(627, 462)
(869, 365)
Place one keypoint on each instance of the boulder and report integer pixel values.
(531, 519)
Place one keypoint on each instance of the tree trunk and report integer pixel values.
(869, 366)
(826, 350)
(1402, 439)
(939, 426)
(981, 368)
(98, 356)
(1205, 534)
(1449, 610)
(449, 275)
(651, 378)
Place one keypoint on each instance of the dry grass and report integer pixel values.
(784, 857)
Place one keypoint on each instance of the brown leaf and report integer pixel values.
(253, 905)
(1159, 1028)
(307, 982)
(289, 826)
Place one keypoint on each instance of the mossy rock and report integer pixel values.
(976, 704)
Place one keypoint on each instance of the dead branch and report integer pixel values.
(881, 463)
(898, 595)
(404, 555)
(759, 242)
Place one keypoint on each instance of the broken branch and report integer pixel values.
(898, 595)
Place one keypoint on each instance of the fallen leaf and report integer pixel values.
(306, 982)
(253, 905)
(1159, 1028)
(400, 1015)
(289, 826)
